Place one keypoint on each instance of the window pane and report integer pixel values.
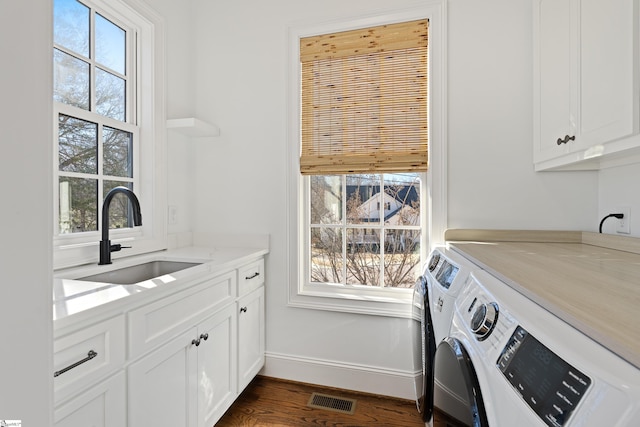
(71, 26)
(110, 95)
(401, 258)
(70, 80)
(110, 44)
(326, 199)
(118, 153)
(326, 255)
(77, 145)
(402, 195)
(363, 256)
(363, 199)
(78, 205)
(120, 212)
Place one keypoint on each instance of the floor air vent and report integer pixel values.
(332, 403)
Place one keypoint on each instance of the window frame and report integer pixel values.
(145, 114)
(392, 302)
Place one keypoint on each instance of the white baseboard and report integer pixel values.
(367, 379)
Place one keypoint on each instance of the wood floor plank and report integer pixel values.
(269, 402)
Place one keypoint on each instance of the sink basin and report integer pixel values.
(139, 273)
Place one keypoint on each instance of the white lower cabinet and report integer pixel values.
(251, 336)
(189, 355)
(103, 405)
(189, 381)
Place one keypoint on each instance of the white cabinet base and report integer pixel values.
(103, 405)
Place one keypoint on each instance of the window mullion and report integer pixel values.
(92, 62)
(100, 174)
(344, 229)
(381, 231)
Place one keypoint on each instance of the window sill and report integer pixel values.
(387, 302)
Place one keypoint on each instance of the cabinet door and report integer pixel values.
(251, 344)
(216, 373)
(162, 385)
(585, 80)
(101, 406)
(606, 65)
(553, 77)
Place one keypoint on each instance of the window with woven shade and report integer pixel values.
(364, 100)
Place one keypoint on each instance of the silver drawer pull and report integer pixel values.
(90, 356)
(256, 274)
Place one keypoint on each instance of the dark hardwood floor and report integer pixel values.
(273, 402)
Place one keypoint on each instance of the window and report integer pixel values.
(361, 208)
(353, 241)
(104, 125)
(96, 127)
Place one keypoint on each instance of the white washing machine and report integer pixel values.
(509, 362)
(444, 276)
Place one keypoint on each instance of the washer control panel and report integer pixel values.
(549, 385)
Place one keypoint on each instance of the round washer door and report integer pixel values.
(457, 395)
(423, 348)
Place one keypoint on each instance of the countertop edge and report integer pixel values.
(492, 235)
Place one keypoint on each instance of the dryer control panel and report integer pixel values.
(550, 386)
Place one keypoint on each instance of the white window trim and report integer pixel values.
(373, 301)
(150, 114)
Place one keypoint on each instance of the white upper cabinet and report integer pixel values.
(585, 82)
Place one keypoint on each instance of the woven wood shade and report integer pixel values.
(364, 100)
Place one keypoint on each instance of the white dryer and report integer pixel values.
(509, 362)
(444, 276)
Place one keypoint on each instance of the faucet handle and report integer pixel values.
(116, 247)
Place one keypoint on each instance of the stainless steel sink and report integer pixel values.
(139, 273)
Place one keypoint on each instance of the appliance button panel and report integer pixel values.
(433, 263)
(549, 385)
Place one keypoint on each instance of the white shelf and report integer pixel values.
(191, 126)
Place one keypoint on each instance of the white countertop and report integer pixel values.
(75, 300)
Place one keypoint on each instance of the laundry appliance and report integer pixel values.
(509, 362)
(444, 275)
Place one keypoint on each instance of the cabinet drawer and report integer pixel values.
(82, 358)
(155, 323)
(250, 277)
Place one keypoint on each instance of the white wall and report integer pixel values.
(239, 69)
(26, 349)
(180, 104)
(492, 183)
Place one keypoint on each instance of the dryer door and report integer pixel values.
(457, 395)
(424, 348)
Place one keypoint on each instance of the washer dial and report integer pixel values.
(484, 320)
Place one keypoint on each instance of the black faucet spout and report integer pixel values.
(105, 244)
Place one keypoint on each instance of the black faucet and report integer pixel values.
(105, 244)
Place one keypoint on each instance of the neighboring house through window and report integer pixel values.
(361, 212)
(104, 125)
